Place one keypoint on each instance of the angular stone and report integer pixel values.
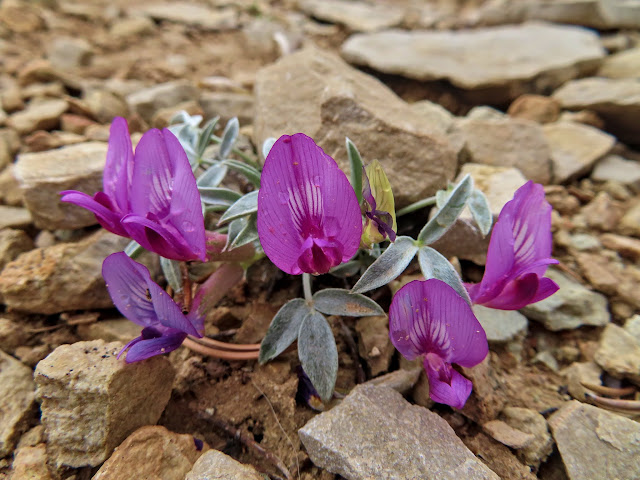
(64, 277)
(501, 326)
(579, 372)
(619, 169)
(616, 101)
(507, 142)
(105, 105)
(599, 14)
(17, 392)
(12, 244)
(315, 92)
(603, 212)
(13, 333)
(595, 443)
(508, 435)
(114, 330)
(625, 64)
(215, 465)
(619, 353)
(575, 148)
(439, 117)
(533, 423)
(402, 381)
(151, 452)
(536, 108)
(30, 463)
(194, 14)
(40, 115)
(133, 26)
(374, 343)
(375, 433)
(44, 175)
(570, 307)
(356, 16)
(69, 52)
(498, 458)
(499, 63)
(632, 325)
(228, 105)
(91, 401)
(630, 222)
(148, 101)
(14, 217)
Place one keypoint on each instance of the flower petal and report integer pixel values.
(118, 169)
(305, 196)
(147, 348)
(546, 288)
(447, 386)
(109, 219)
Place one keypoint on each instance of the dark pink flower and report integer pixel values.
(429, 319)
(308, 214)
(519, 254)
(145, 303)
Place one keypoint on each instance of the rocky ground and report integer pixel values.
(503, 90)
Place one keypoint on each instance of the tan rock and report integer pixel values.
(581, 372)
(105, 105)
(151, 452)
(147, 101)
(228, 105)
(508, 435)
(215, 465)
(30, 463)
(12, 244)
(536, 108)
(113, 330)
(619, 353)
(533, 423)
(41, 115)
(374, 344)
(488, 398)
(91, 401)
(355, 15)
(630, 221)
(619, 169)
(14, 217)
(625, 64)
(603, 212)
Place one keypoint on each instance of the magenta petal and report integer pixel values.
(109, 219)
(446, 385)
(517, 293)
(546, 288)
(118, 169)
(147, 348)
(308, 215)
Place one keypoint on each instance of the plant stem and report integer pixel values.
(425, 202)
(306, 286)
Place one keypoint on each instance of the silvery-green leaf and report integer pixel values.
(337, 301)
(434, 265)
(248, 171)
(441, 221)
(205, 135)
(229, 137)
(218, 196)
(318, 353)
(184, 117)
(235, 227)
(213, 176)
(133, 249)
(479, 206)
(244, 206)
(266, 146)
(442, 196)
(355, 163)
(171, 271)
(283, 330)
(345, 270)
(248, 234)
(387, 266)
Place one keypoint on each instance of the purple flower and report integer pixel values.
(145, 303)
(519, 254)
(152, 197)
(429, 319)
(308, 214)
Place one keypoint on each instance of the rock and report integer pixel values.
(617, 168)
(17, 391)
(132, 26)
(69, 52)
(508, 435)
(402, 381)
(595, 443)
(162, 118)
(584, 242)
(570, 307)
(604, 274)
(484, 112)
(501, 326)
(12, 334)
(192, 14)
(632, 325)
(602, 212)
(630, 222)
(625, 64)
(616, 101)
(39, 115)
(317, 93)
(149, 100)
(21, 18)
(536, 108)
(228, 105)
(357, 16)
(12, 244)
(105, 105)
(498, 458)
(599, 14)
(586, 117)
(215, 465)
(579, 372)
(507, 142)
(44, 175)
(91, 401)
(151, 452)
(30, 463)
(374, 344)
(619, 353)
(625, 246)
(114, 330)
(488, 397)
(67, 276)
(14, 217)
(438, 117)
(531, 422)
(72, 123)
(463, 239)
(575, 148)
(499, 63)
(375, 433)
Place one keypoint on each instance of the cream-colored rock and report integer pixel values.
(625, 64)
(619, 353)
(39, 115)
(533, 423)
(355, 15)
(215, 465)
(148, 101)
(536, 108)
(91, 401)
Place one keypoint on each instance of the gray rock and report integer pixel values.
(67, 276)
(570, 307)
(215, 465)
(192, 14)
(583, 242)
(148, 101)
(498, 63)
(619, 353)
(501, 326)
(618, 169)
(228, 105)
(376, 433)
(315, 92)
(39, 115)
(402, 381)
(69, 52)
(595, 443)
(43, 175)
(625, 64)
(531, 422)
(575, 148)
(356, 16)
(616, 101)
(12, 244)
(17, 392)
(91, 401)
(14, 217)
(506, 142)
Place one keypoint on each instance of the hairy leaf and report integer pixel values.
(283, 330)
(318, 353)
(479, 206)
(434, 265)
(243, 206)
(337, 301)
